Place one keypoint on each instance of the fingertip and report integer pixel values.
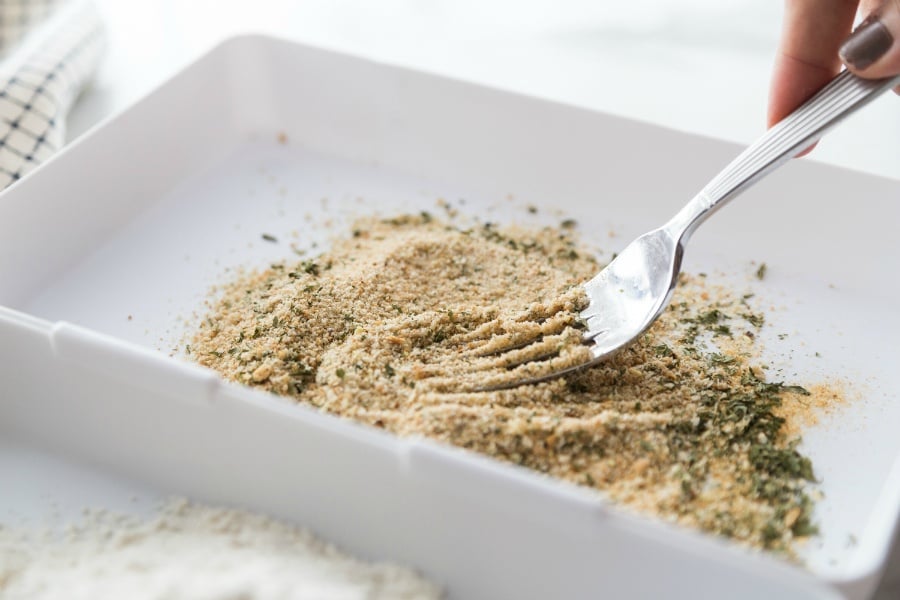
(803, 153)
(872, 51)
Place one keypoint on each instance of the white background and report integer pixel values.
(696, 65)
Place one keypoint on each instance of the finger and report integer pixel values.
(873, 50)
(867, 7)
(808, 53)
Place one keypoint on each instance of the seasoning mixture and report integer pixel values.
(192, 552)
(401, 324)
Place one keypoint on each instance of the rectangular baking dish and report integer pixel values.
(108, 251)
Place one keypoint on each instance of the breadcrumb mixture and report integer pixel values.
(403, 324)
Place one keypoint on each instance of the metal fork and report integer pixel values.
(629, 294)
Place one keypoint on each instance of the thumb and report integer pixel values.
(873, 49)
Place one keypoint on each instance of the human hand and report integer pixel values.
(816, 39)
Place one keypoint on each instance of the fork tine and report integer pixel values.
(590, 336)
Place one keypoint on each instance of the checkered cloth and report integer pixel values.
(48, 51)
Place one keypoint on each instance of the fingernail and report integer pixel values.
(866, 44)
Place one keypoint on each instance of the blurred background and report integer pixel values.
(694, 65)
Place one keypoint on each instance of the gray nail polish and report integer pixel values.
(866, 44)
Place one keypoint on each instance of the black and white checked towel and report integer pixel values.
(49, 49)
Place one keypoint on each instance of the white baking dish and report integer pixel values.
(108, 251)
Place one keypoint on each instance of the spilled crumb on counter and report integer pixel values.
(402, 323)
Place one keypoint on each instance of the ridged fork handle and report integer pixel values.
(842, 96)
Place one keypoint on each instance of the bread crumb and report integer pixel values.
(403, 323)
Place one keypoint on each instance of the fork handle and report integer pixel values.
(842, 96)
